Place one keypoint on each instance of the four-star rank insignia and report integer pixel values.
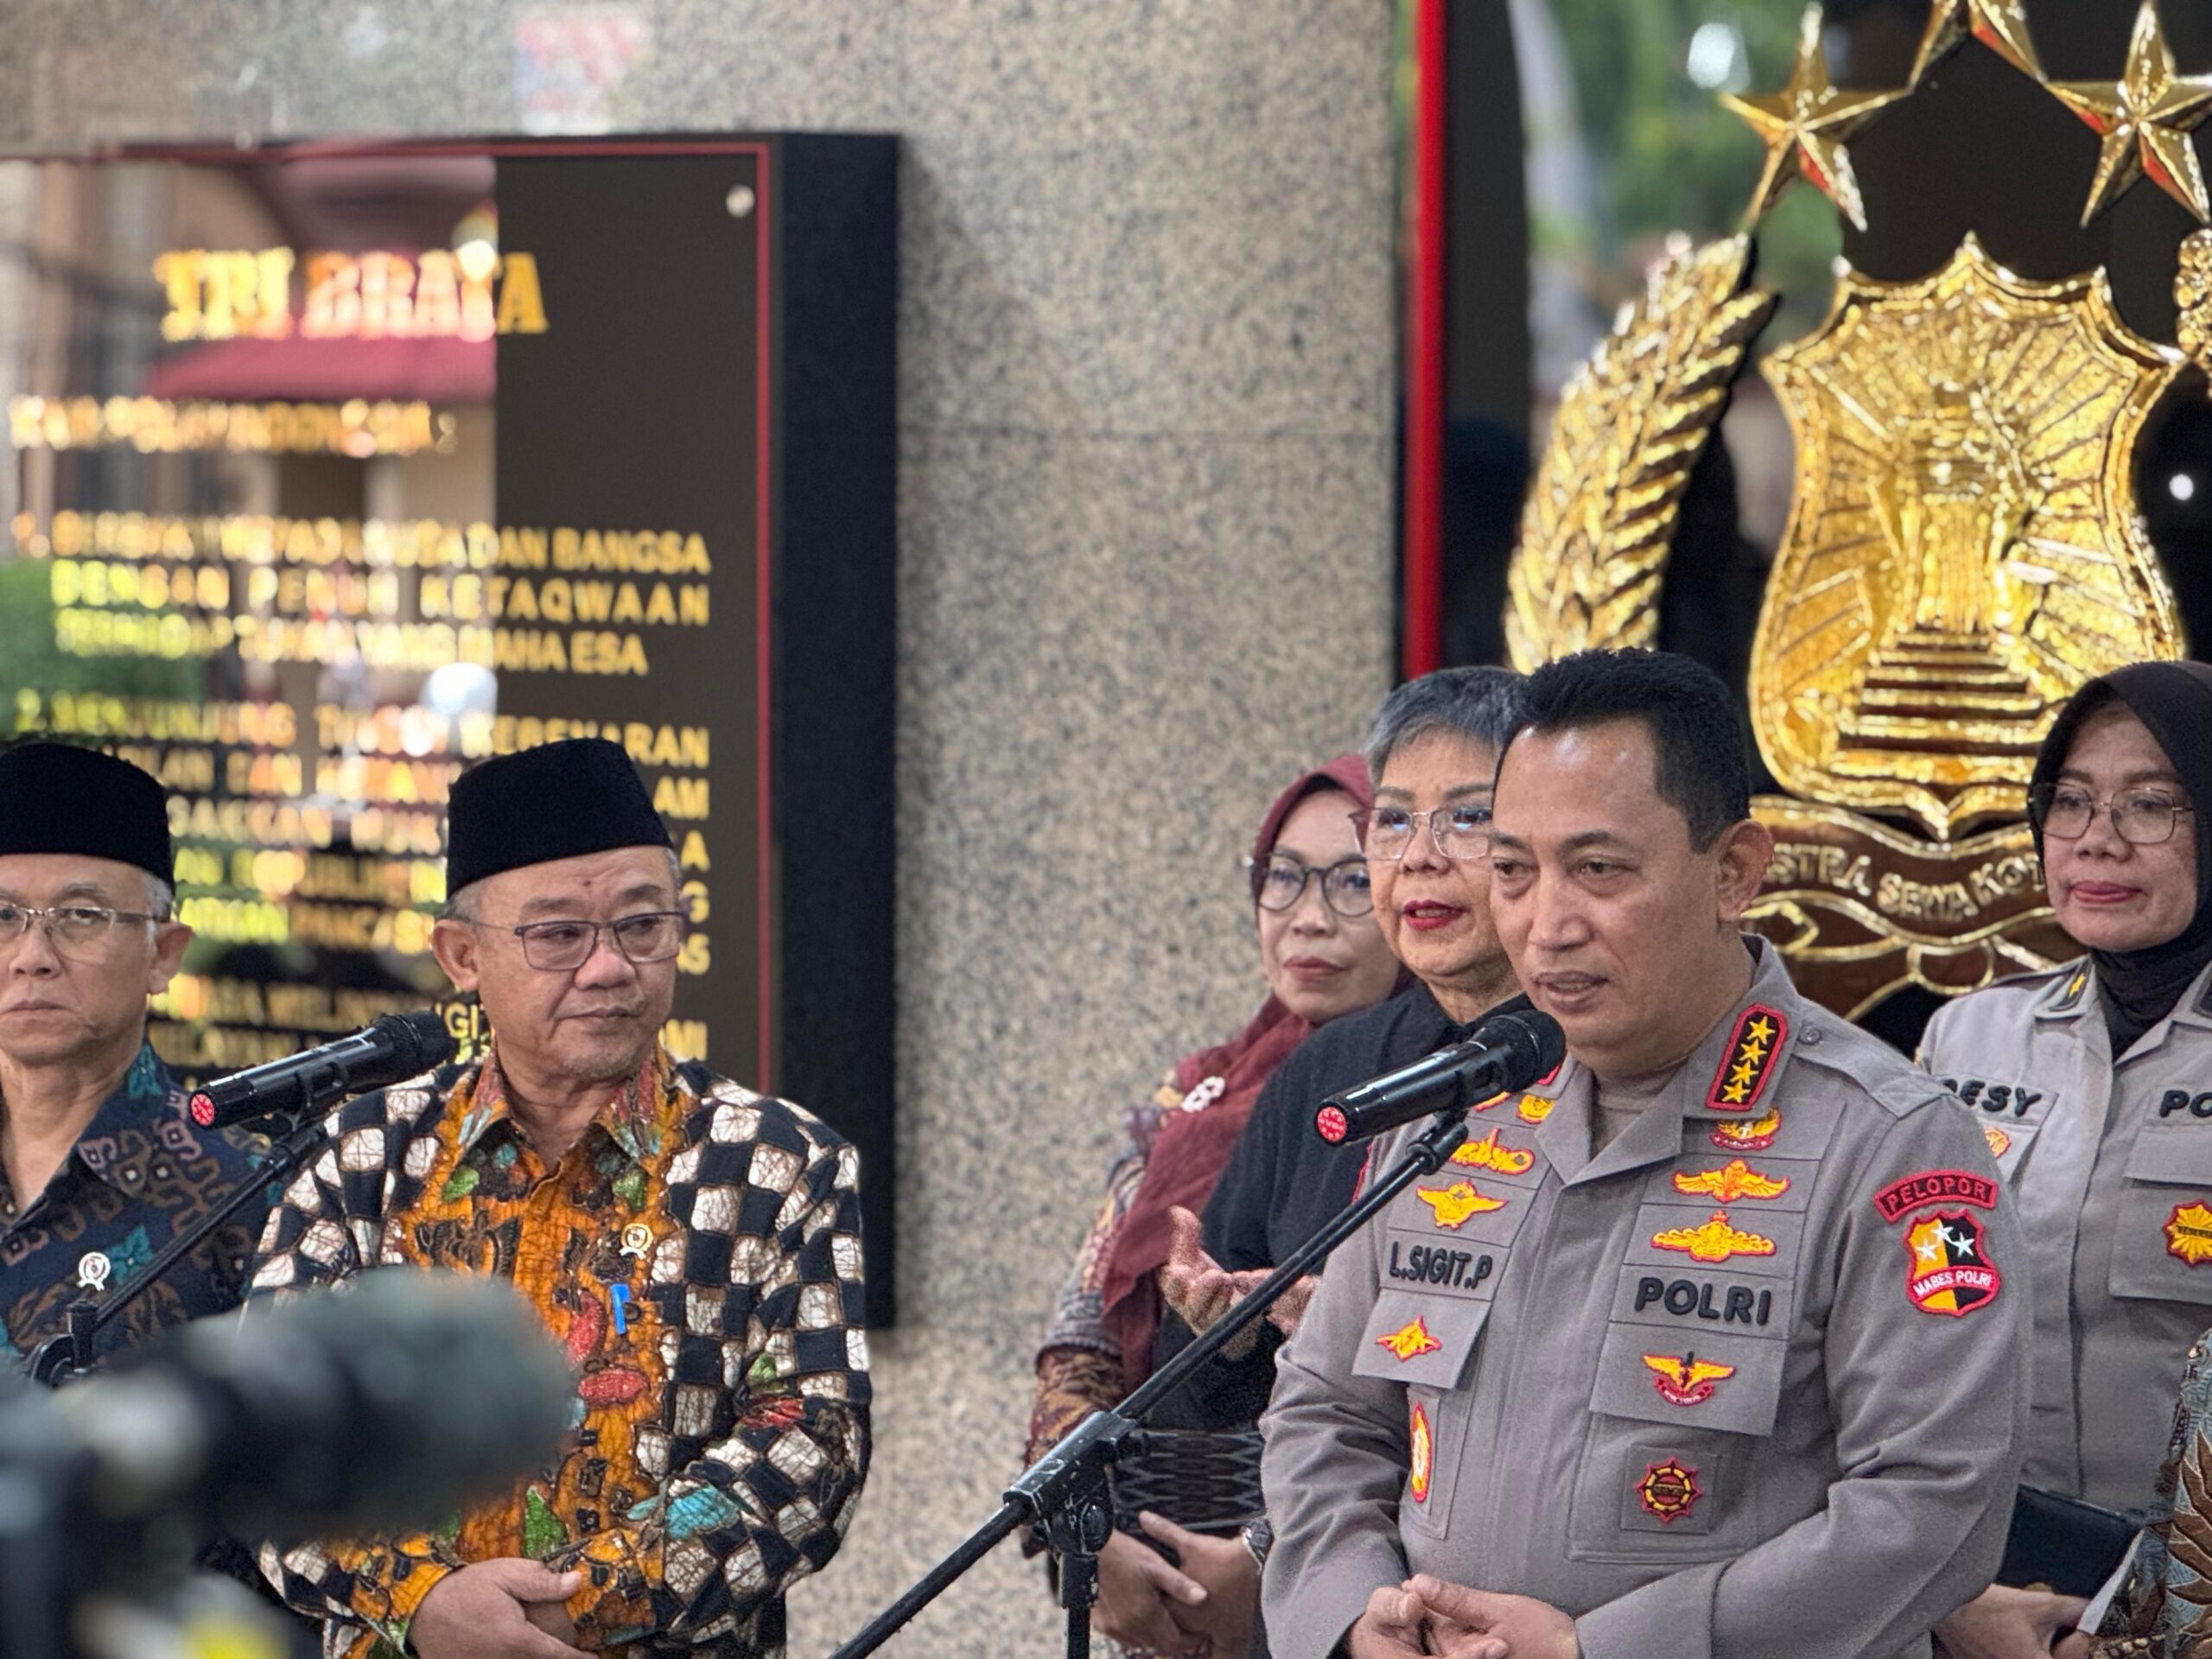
(1668, 1489)
(1684, 1379)
(1754, 1137)
(2189, 1233)
(1749, 1060)
(1454, 1205)
(1948, 1271)
(1733, 1180)
(1489, 1154)
(1422, 1444)
(1410, 1340)
(1712, 1241)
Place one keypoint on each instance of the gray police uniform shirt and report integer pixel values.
(2109, 1171)
(1747, 1382)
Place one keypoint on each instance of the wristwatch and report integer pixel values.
(1259, 1538)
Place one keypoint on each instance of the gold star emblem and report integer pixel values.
(1804, 125)
(2144, 119)
(2001, 25)
(1759, 1033)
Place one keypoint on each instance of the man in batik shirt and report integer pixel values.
(100, 1165)
(695, 1247)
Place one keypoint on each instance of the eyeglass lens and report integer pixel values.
(2144, 817)
(1344, 885)
(653, 937)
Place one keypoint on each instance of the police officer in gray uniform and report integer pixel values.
(1719, 1359)
(2094, 1084)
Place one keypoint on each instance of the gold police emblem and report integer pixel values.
(2189, 1234)
(1962, 553)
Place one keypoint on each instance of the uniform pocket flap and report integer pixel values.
(1708, 1380)
(2174, 1157)
(1415, 1339)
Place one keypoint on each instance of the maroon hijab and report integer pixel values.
(1190, 1150)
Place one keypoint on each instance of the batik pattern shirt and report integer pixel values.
(141, 1174)
(2165, 1610)
(697, 1254)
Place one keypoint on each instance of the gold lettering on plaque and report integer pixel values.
(472, 292)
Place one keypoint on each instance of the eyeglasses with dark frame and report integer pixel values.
(1279, 883)
(1460, 831)
(78, 926)
(2141, 817)
(561, 944)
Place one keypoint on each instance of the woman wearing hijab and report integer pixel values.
(2094, 1084)
(1323, 956)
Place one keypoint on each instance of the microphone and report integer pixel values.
(1510, 1048)
(396, 1047)
(385, 1408)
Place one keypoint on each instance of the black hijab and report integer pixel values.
(2174, 700)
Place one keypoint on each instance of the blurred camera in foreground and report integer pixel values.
(385, 1407)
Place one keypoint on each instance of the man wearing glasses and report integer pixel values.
(99, 1164)
(694, 1246)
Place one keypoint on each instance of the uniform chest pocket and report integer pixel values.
(2162, 1245)
(1669, 1445)
(1425, 1340)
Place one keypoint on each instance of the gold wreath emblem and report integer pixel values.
(1631, 424)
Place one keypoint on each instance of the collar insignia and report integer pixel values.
(1760, 1032)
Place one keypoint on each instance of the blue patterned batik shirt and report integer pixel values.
(141, 1172)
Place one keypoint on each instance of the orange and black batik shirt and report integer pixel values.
(697, 1255)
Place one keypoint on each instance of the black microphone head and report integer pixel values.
(1534, 1040)
(420, 1040)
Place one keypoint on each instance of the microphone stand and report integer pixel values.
(70, 1354)
(1064, 1491)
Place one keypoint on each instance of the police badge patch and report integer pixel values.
(1668, 1489)
(2189, 1233)
(1947, 1270)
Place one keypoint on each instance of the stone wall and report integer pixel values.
(1147, 421)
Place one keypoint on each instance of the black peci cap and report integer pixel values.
(57, 798)
(563, 800)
